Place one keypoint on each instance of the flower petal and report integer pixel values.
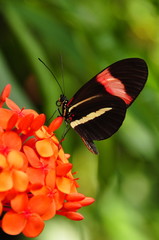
(20, 181)
(34, 226)
(37, 189)
(55, 124)
(51, 178)
(64, 184)
(6, 182)
(59, 199)
(36, 176)
(5, 115)
(29, 111)
(72, 215)
(87, 201)
(12, 140)
(3, 162)
(13, 223)
(44, 148)
(73, 206)
(20, 202)
(39, 204)
(43, 133)
(50, 213)
(62, 156)
(5, 93)
(38, 122)
(32, 156)
(63, 169)
(15, 159)
(25, 122)
(75, 197)
(12, 121)
(12, 105)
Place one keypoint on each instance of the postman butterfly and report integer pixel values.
(98, 108)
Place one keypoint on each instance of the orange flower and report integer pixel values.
(36, 182)
(25, 215)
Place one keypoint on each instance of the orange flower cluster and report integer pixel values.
(36, 182)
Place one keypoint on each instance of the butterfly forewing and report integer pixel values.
(132, 73)
(124, 79)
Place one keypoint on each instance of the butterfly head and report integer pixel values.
(63, 102)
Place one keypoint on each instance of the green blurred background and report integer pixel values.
(90, 35)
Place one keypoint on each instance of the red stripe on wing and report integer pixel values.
(113, 85)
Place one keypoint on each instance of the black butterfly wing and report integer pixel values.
(98, 108)
(124, 79)
(97, 118)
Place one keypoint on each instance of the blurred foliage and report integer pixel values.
(88, 36)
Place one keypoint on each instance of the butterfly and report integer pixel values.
(98, 108)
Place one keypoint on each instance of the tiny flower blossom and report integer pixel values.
(36, 181)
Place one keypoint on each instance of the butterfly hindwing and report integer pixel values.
(97, 118)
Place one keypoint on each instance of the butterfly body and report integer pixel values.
(98, 108)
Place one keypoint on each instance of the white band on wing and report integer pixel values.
(90, 116)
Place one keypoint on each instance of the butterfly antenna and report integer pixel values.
(52, 74)
(62, 72)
